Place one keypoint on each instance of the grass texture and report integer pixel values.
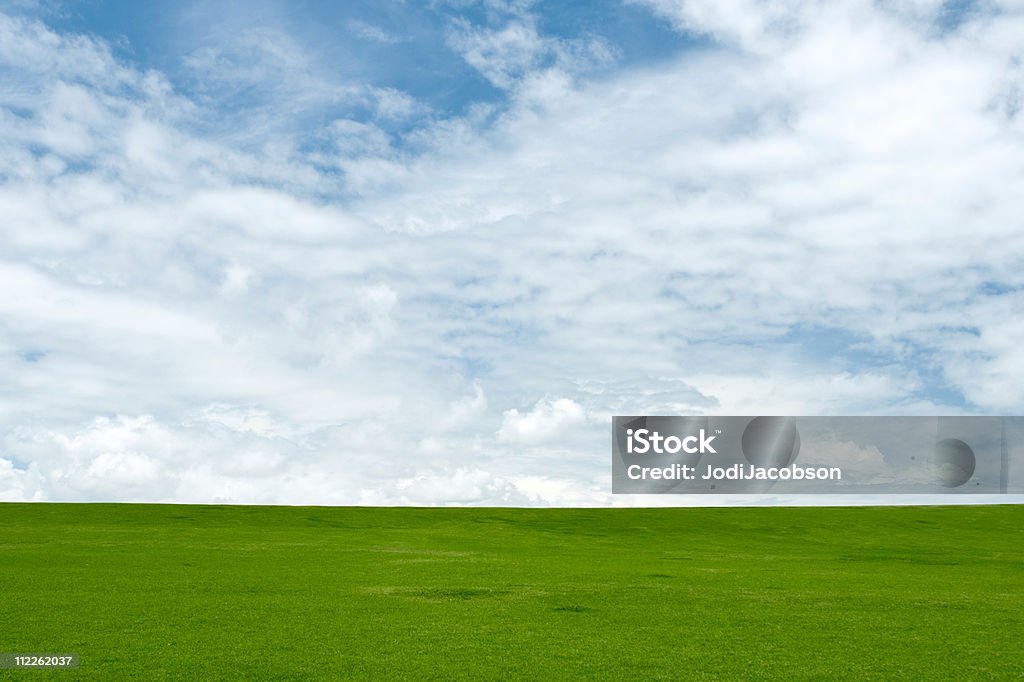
(295, 593)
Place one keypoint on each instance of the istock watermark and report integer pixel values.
(784, 454)
(643, 440)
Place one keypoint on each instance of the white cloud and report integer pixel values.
(515, 50)
(270, 89)
(461, 486)
(749, 23)
(288, 301)
(236, 279)
(466, 409)
(864, 463)
(245, 420)
(548, 418)
(371, 32)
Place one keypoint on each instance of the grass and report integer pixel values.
(215, 592)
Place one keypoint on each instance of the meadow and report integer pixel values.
(295, 593)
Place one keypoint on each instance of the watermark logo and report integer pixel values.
(642, 441)
(777, 454)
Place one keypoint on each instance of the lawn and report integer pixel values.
(222, 592)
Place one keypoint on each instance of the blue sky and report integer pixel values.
(392, 44)
(419, 253)
(398, 45)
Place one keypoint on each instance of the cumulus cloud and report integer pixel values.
(547, 419)
(265, 280)
(864, 463)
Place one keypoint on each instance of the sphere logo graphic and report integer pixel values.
(954, 462)
(771, 441)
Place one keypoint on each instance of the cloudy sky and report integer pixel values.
(420, 252)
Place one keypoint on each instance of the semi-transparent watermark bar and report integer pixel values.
(775, 454)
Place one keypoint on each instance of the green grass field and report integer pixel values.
(204, 592)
